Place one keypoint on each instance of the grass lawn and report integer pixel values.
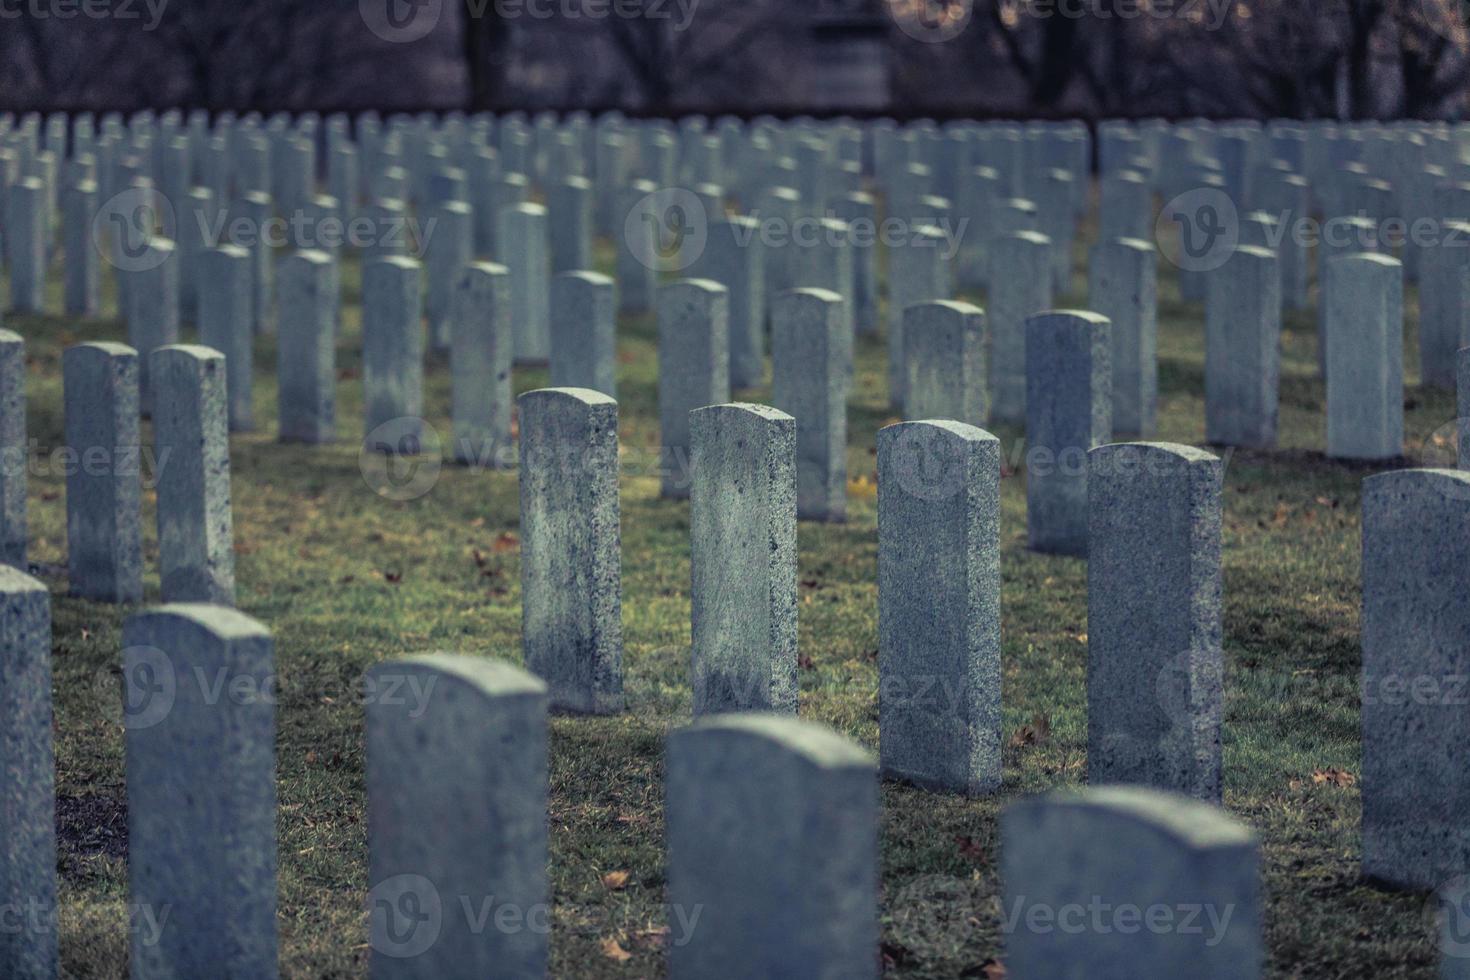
(345, 578)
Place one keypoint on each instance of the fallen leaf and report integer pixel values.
(992, 969)
(506, 541)
(479, 558)
(1283, 512)
(656, 936)
(1036, 733)
(615, 880)
(393, 578)
(614, 951)
(1333, 777)
(805, 662)
(969, 847)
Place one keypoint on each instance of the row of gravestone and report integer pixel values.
(772, 829)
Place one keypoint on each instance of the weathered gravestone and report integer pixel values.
(570, 205)
(482, 348)
(392, 355)
(860, 214)
(28, 947)
(772, 838)
(248, 229)
(104, 546)
(742, 529)
(306, 362)
(82, 285)
(1020, 289)
(637, 248)
(584, 332)
(226, 323)
(447, 251)
(1416, 656)
(25, 245)
(1365, 357)
(733, 257)
(196, 547)
(571, 561)
(200, 740)
(460, 750)
(918, 272)
(1243, 350)
(1154, 669)
(522, 249)
(14, 449)
(1444, 315)
(939, 677)
(1069, 408)
(153, 309)
(1122, 882)
(811, 346)
(693, 369)
(1123, 286)
(1462, 373)
(944, 362)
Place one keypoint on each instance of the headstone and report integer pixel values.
(523, 251)
(570, 225)
(860, 215)
(254, 211)
(447, 251)
(1416, 656)
(1243, 350)
(584, 332)
(196, 547)
(944, 362)
(195, 211)
(1123, 881)
(734, 258)
(104, 491)
(201, 788)
(83, 277)
(1154, 669)
(25, 245)
(1020, 289)
(393, 355)
(306, 361)
(28, 946)
(693, 369)
(482, 347)
(14, 449)
(571, 562)
(226, 324)
(1444, 304)
(918, 272)
(772, 835)
(1123, 286)
(153, 309)
(742, 528)
(468, 729)
(1463, 375)
(636, 241)
(939, 683)
(1069, 408)
(1365, 357)
(811, 346)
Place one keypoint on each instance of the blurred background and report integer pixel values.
(1357, 59)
